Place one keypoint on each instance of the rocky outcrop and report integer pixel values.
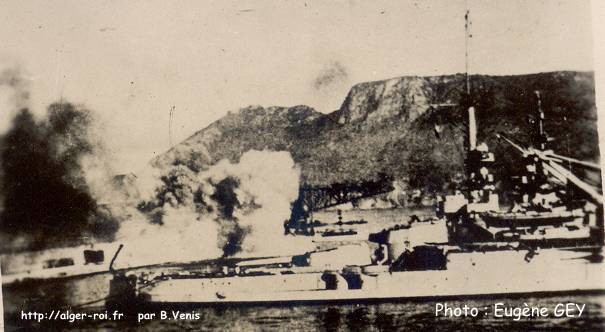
(407, 127)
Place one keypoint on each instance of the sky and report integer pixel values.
(132, 61)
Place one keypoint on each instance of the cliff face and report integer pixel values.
(252, 127)
(405, 98)
(407, 127)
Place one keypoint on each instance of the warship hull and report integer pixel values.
(471, 274)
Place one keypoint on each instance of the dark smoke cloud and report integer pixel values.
(232, 234)
(177, 188)
(45, 193)
(180, 187)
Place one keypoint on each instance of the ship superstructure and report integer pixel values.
(543, 213)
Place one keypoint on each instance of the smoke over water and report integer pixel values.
(228, 210)
(47, 201)
(56, 190)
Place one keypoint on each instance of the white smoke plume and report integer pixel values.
(228, 210)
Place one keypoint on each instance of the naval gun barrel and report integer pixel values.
(551, 160)
(575, 161)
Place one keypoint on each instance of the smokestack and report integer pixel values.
(472, 129)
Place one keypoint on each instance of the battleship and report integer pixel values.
(544, 243)
(548, 240)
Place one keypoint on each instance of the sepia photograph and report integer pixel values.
(301, 165)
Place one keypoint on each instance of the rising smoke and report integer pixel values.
(228, 210)
(46, 197)
(51, 195)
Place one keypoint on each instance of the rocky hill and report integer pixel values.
(411, 128)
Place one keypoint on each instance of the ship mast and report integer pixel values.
(480, 184)
(472, 123)
(466, 46)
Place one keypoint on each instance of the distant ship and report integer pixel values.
(56, 263)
